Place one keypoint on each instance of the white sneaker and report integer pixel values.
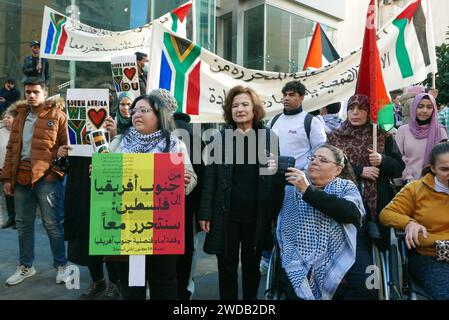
(21, 274)
(62, 276)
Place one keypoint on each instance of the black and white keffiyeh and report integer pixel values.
(316, 251)
(135, 142)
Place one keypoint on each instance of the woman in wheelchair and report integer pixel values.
(317, 229)
(421, 209)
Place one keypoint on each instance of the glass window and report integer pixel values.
(278, 39)
(253, 50)
(226, 21)
(205, 24)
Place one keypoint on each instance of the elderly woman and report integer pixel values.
(421, 209)
(152, 124)
(317, 230)
(238, 202)
(417, 138)
(373, 168)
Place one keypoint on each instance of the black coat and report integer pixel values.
(390, 168)
(216, 202)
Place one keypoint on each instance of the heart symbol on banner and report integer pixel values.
(129, 73)
(97, 117)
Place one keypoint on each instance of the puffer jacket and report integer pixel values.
(50, 132)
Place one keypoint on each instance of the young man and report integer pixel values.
(39, 129)
(142, 68)
(34, 66)
(8, 95)
(297, 138)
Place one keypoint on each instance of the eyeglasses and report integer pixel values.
(321, 159)
(140, 111)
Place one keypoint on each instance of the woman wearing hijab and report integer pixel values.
(373, 168)
(417, 138)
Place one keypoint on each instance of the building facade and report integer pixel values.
(272, 35)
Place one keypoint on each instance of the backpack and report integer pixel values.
(307, 124)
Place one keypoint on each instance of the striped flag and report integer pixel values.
(137, 205)
(411, 23)
(370, 80)
(321, 51)
(180, 72)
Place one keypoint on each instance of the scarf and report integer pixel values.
(354, 141)
(135, 142)
(316, 251)
(430, 131)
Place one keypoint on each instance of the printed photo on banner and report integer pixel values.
(87, 110)
(137, 205)
(125, 75)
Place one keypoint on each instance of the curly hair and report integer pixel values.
(258, 109)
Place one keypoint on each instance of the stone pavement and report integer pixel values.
(42, 286)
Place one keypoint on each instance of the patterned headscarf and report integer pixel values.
(135, 142)
(354, 141)
(316, 252)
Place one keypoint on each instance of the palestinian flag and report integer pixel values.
(137, 204)
(370, 78)
(411, 24)
(179, 14)
(321, 51)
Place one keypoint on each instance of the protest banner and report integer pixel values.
(87, 110)
(64, 38)
(200, 79)
(137, 205)
(125, 75)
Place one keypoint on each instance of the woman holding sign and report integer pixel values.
(152, 125)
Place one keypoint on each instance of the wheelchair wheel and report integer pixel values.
(395, 271)
(379, 262)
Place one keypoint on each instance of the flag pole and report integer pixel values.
(375, 124)
(374, 137)
(434, 79)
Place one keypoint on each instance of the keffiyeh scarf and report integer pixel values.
(316, 251)
(135, 142)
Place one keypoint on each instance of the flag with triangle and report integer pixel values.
(321, 51)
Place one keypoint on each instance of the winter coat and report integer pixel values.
(50, 132)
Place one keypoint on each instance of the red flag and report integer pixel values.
(370, 79)
(182, 11)
(321, 51)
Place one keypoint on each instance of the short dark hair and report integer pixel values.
(258, 109)
(35, 81)
(333, 108)
(141, 55)
(295, 86)
(10, 80)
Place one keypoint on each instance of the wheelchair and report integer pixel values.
(379, 259)
(402, 284)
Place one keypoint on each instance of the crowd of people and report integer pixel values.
(315, 210)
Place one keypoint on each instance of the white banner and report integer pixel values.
(125, 75)
(200, 79)
(87, 110)
(65, 38)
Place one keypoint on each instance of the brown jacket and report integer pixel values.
(50, 132)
